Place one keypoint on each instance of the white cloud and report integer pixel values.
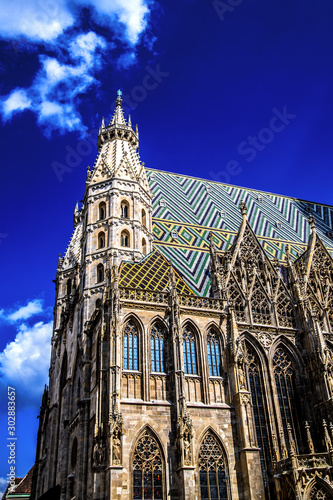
(17, 101)
(131, 13)
(3, 485)
(25, 312)
(24, 363)
(38, 20)
(53, 94)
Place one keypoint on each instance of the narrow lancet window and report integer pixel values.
(131, 348)
(124, 209)
(214, 354)
(157, 349)
(189, 350)
(125, 239)
(100, 273)
(286, 391)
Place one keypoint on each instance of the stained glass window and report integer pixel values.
(260, 419)
(318, 493)
(190, 360)
(212, 470)
(131, 347)
(157, 349)
(147, 469)
(214, 354)
(285, 387)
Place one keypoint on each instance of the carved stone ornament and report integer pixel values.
(99, 455)
(245, 399)
(185, 436)
(116, 435)
(265, 340)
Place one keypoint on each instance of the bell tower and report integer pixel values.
(117, 208)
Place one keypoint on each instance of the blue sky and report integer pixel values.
(236, 90)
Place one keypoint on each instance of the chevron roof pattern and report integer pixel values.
(187, 209)
(152, 273)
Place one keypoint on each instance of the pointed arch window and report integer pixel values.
(125, 239)
(100, 273)
(237, 302)
(148, 470)
(319, 492)
(212, 470)
(69, 286)
(260, 307)
(124, 209)
(102, 211)
(131, 347)
(101, 239)
(144, 247)
(214, 354)
(189, 350)
(157, 349)
(285, 382)
(256, 387)
(285, 311)
(143, 218)
(74, 453)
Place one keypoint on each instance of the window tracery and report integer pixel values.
(317, 311)
(131, 342)
(284, 374)
(285, 311)
(189, 350)
(256, 387)
(236, 299)
(261, 312)
(157, 349)
(214, 354)
(212, 470)
(318, 493)
(147, 469)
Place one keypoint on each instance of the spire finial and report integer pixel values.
(243, 208)
(309, 438)
(119, 99)
(312, 222)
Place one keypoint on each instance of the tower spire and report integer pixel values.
(118, 115)
(118, 128)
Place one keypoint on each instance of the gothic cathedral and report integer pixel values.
(192, 350)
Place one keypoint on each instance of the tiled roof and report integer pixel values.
(17, 481)
(187, 209)
(152, 273)
(25, 485)
(22, 487)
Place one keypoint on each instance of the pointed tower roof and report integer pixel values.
(118, 114)
(118, 151)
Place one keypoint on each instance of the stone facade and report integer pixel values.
(156, 392)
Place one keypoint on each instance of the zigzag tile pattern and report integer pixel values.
(185, 210)
(152, 273)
